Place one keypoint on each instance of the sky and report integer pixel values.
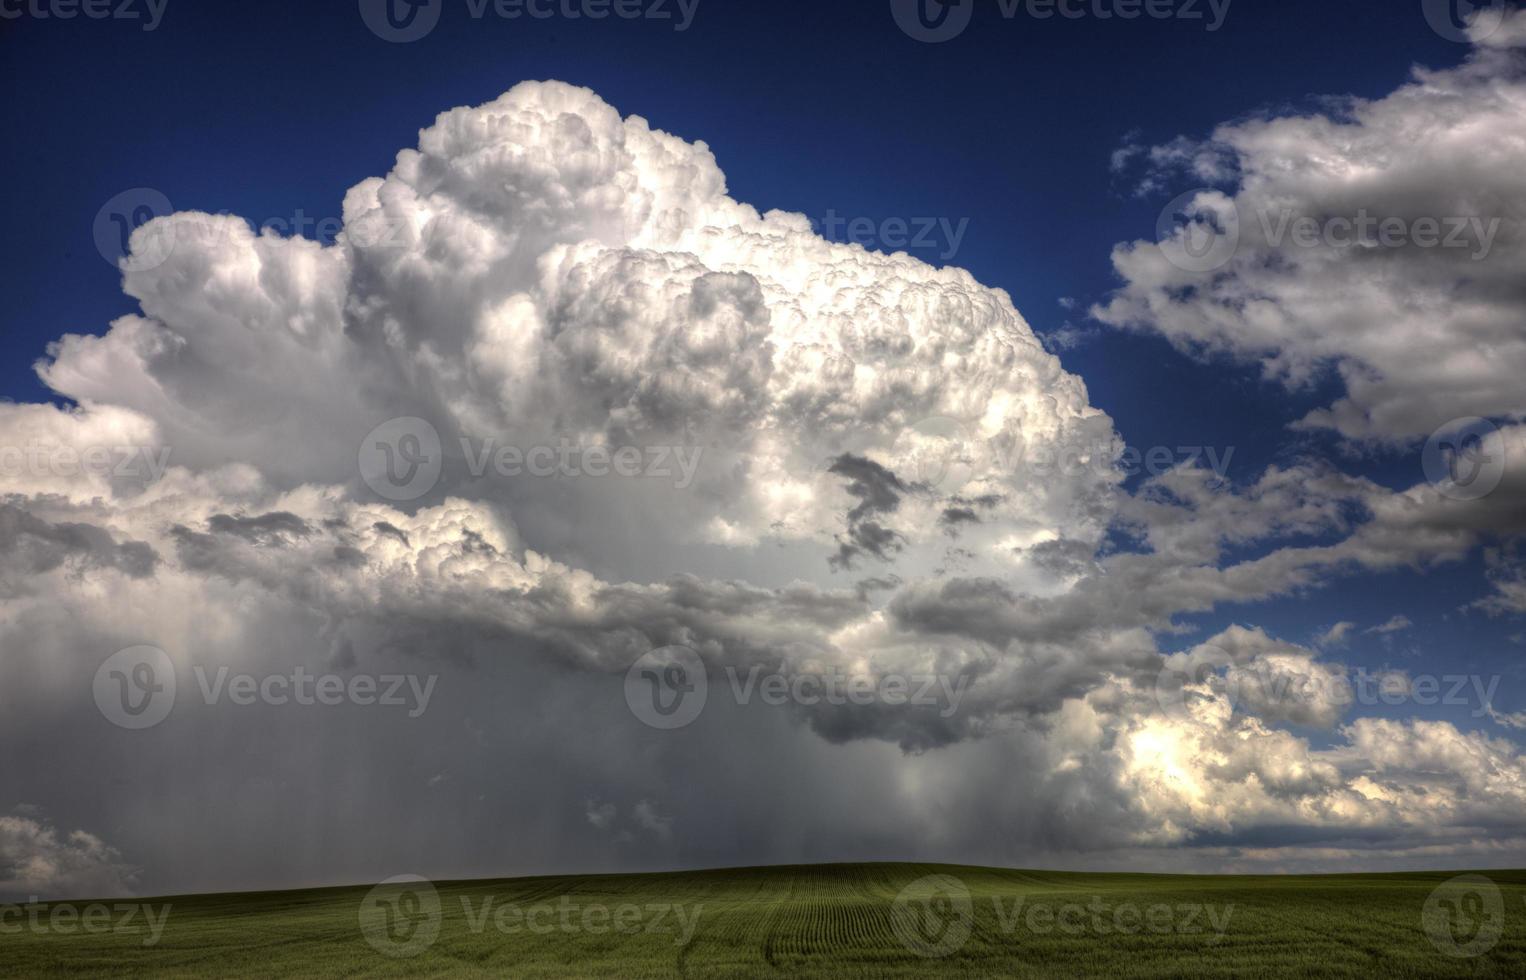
(1035, 364)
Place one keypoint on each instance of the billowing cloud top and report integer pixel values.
(542, 269)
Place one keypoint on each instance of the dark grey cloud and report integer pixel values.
(878, 491)
(267, 530)
(32, 547)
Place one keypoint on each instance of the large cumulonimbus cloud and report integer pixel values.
(890, 475)
(542, 269)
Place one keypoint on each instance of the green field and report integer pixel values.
(839, 921)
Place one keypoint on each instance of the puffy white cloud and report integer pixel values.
(1196, 776)
(541, 270)
(1379, 239)
(37, 861)
(1497, 28)
(1261, 676)
(550, 270)
(1336, 635)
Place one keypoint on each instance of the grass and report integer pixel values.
(838, 921)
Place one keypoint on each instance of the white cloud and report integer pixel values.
(1396, 624)
(558, 272)
(38, 861)
(650, 820)
(601, 815)
(1419, 332)
(1507, 575)
(1335, 636)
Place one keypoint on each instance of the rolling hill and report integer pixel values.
(838, 921)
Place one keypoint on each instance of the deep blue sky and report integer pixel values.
(819, 106)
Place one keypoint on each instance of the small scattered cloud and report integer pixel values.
(38, 859)
(1335, 636)
(1396, 624)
